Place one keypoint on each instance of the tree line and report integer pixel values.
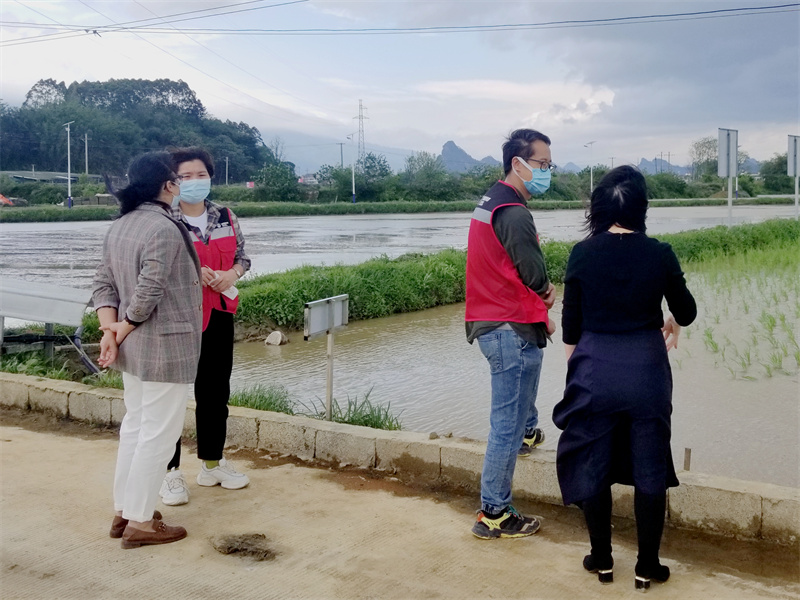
(121, 118)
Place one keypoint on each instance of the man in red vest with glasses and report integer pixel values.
(508, 296)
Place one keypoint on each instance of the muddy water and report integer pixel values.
(67, 253)
(420, 363)
(422, 366)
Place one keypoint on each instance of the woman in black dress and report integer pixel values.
(615, 414)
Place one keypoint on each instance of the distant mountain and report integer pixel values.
(658, 165)
(751, 165)
(570, 167)
(456, 160)
(310, 152)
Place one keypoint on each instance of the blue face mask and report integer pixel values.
(194, 191)
(540, 180)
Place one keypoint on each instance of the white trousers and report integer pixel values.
(153, 421)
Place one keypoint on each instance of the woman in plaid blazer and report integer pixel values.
(148, 298)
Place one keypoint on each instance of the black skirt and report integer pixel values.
(615, 416)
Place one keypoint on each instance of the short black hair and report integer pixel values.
(182, 155)
(519, 143)
(620, 198)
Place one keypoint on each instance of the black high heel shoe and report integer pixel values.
(603, 567)
(644, 575)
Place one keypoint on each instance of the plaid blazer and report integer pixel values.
(150, 273)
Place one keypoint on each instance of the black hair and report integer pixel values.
(520, 143)
(182, 155)
(620, 198)
(147, 174)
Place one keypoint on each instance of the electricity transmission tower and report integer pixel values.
(362, 149)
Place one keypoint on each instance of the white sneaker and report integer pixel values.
(224, 475)
(174, 490)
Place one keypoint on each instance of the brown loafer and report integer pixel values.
(119, 524)
(163, 534)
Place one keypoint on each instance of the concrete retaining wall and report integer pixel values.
(719, 505)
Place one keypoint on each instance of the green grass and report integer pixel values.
(377, 288)
(358, 412)
(705, 244)
(276, 398)
(295, 209)
(35, 364)
(273, 398)
(107, 379)
(31, 214)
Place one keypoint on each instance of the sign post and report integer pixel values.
(793, 170)
(728, 163)
(326, 316)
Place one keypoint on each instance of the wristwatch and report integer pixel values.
(129, 322)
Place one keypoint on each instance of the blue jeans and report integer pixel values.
(515, 365)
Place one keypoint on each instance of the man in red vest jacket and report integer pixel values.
(508, 296)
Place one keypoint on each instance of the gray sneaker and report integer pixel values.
(535, 440)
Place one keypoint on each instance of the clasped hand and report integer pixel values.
(113, 335)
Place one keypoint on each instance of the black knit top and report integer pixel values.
(615, 284)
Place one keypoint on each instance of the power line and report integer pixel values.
(188, 64)
(242, 69)
(574, 23)
(124, 25)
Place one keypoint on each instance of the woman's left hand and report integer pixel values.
(671, 331)
(224, 280)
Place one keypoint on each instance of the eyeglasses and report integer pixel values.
(544, 165)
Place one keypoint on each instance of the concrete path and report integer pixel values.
(333, 534)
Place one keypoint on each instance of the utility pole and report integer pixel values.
(86, 152)
(590, 145)
(341, 154)
(662, 162)
(612, 162)
(69, 168)
(226, 170)
(669, 161)
(353, 170)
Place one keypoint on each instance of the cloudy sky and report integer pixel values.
(637, 88)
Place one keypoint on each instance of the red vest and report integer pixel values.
(495, 291)
(219, 255)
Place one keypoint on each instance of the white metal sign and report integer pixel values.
(727, 155)
(326, 316)
(793, 157)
